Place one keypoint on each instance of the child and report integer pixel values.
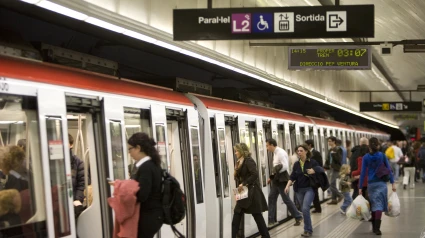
(345, 183)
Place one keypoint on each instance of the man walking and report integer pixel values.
(333, 165)
(318, 157)
(278, 181)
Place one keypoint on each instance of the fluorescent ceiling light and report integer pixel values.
(139, 36)
(142, 37)
(105, 25)
(11, 122)
(31, 1)
(62, 10)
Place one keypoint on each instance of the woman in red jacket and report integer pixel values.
(356, 173)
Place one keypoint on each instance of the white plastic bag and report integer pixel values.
(361, 209)
(393, 206)
(351, 212)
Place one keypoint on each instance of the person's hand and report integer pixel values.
(268, 181)
(310, 171)
(112, 183)
(348, 183)
(287, 190)
(240, 188)
(394, 187)
(360, 192)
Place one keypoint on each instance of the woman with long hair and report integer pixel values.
(148, 173)
(373, 163)
(246, 174)
(302, 172)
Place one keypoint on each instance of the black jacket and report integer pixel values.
(317, 156)
(301, 177)
(78, 180)
(149, 176)
(336, 154)
(248, 176)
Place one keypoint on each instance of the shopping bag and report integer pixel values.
(393, 206)
(362, 208)
(351, 212)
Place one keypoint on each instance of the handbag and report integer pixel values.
(383, 172)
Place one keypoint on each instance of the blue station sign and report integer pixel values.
(274, 23)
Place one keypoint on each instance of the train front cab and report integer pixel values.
(44, 103)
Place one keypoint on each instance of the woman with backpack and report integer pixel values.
(246, 174)
(148, 173)
(379, 171)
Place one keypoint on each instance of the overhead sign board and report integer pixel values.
(274, 22)
(329, 57)
(391, 106)
(406, 117)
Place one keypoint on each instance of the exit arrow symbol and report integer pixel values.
(340, 21)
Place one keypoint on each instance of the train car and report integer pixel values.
(43, 103)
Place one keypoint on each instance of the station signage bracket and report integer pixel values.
(346, 21)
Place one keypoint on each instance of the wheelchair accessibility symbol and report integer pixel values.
(263, 22)
(262, 25)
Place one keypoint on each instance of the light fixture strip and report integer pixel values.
(118, 29)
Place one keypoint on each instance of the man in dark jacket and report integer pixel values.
(78, 181)
(315, 155)
(353, 163)
(333, 165)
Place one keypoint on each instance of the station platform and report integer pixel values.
(332, 224)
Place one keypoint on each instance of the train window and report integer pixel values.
(197, 171)
(137, 120)
(224, 165)
(161, 145)
(61, 188)
(117, 150)
(21, 174)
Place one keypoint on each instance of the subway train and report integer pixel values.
(43, 103)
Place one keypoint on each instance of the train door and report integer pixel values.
(293, 157)
(177, 148)
(83, 115)
(278, 135)
(23, 133)
(221, 171)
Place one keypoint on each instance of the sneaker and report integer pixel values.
(298, 221)
(342, 211)
(271, 224)
(306, 234)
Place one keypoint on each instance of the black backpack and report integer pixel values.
(173, 202)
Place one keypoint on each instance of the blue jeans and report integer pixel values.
(347, 201)
(305, 197)
(276, 189)
(396, 170)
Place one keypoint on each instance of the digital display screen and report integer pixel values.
(329, 57)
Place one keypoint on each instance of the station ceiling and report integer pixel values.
(145, 62)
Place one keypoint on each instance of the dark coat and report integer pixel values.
(336, 154)
(149, 176)
(321, 178)
(301, 177)
(248, 176)
(317, 156)
(78, 181)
